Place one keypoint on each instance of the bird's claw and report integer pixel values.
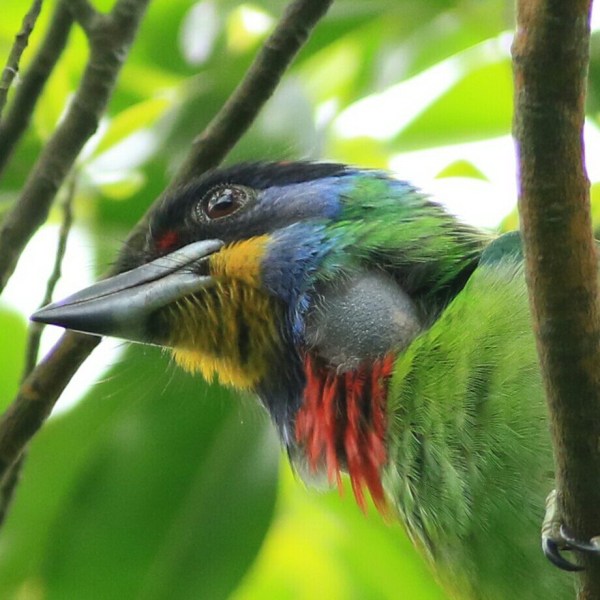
(557, 538)
(552, 550)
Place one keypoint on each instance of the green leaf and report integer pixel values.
(461, 27)
(461, 168)
(347, 554)
(247, 25)
(124, 187)
(13, 328)
(139, 116)
(593, 95)
(595, 207)
(331, 72)
(155, 486)
(145, 79)
(362, 150)
(479, 106)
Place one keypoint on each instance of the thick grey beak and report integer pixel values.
(121, 305)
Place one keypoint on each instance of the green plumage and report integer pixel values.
(471, 462)
(394, 226)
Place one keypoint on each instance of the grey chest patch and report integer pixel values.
(360, 318)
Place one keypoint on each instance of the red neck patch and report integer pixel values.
(342, 423)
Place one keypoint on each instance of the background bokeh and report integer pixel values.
(148, 483)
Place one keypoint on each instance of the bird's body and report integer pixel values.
(470, 457)
(385, 339)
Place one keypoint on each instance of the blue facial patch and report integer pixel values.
(291, 260)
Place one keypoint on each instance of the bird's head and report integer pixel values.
(298, 281)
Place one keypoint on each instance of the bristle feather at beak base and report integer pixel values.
(120, 306)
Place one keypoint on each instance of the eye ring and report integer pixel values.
(223, 201)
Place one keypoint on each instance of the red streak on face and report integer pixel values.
(343, 422)
(167, 241)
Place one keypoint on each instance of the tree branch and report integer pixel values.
(44, 385)
(85, 15)
(110, 37)
(26, 95)
(14, 58)
(38, 394)
(550, 67)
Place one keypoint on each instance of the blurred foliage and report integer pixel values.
(157, 485)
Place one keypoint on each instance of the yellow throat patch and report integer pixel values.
(229, 330)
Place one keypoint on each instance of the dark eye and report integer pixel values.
(224, 201)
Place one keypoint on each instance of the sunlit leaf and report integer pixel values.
(477, 107)
(595, 206)
(124, 187)
(139, 116)
(363, 151)
(330, 72)
(510, 222)
(246, 26)
(12, 327)
(199, 31)
(461, 168)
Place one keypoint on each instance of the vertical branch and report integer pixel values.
(551, 53)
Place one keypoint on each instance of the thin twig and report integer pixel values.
(108, 48)
(27, 93)
(35, 329)
(551, 54)
(14, 58)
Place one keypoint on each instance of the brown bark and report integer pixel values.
(550, 55)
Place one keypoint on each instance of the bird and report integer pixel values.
(385, 338)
